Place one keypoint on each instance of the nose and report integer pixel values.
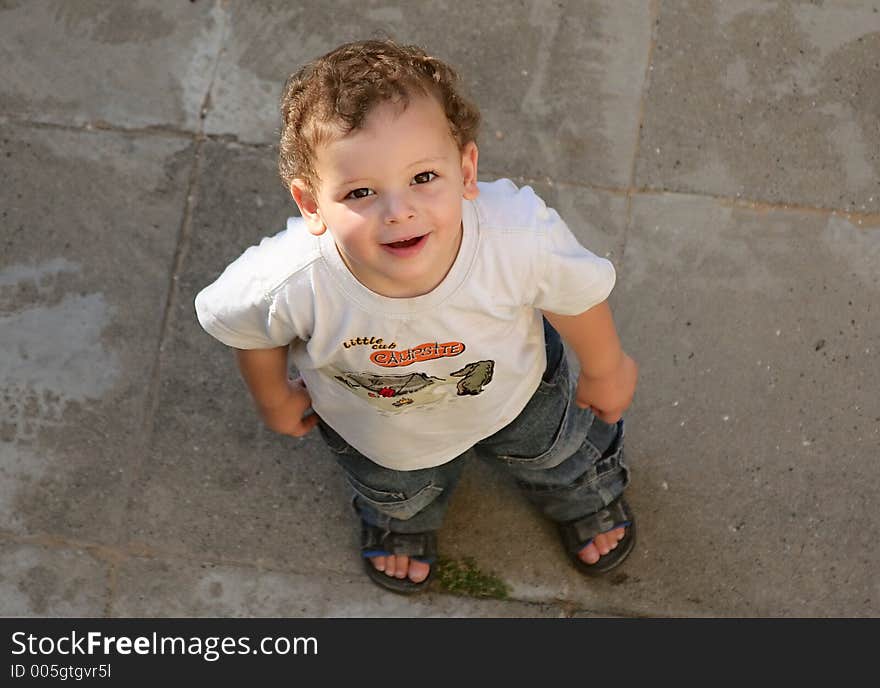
(398, 209)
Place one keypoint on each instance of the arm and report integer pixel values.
(608, 376)
(281, 402)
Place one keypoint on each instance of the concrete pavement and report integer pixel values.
(725, 156)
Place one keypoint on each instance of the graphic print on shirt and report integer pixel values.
(394, 392)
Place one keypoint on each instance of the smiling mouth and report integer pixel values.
(406, 243)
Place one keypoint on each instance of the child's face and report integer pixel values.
(390, 194)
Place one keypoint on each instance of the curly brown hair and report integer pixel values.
(333, 95)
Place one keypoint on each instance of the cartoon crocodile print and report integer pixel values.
(474, 377)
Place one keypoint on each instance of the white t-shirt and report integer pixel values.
(414, 382)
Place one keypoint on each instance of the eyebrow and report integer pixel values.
(349, 182)
(423, 161)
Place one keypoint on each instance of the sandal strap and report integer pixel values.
(579, 533)
(378, 542)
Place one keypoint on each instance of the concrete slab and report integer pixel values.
(132, 64)
(757, 421)
(753, 433)
(561, 99)
(90, 225)
(217, 483)
(173, 588)
(774, 102)
(38, 581)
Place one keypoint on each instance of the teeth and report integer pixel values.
(405, 243)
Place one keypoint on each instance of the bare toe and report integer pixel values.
(390, 564)
(418, 571)
(610, 543)
(605, 543)
(589, 554)
(402, 567)
(601, 545)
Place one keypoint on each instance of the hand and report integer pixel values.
(611, 394)
(286, 416)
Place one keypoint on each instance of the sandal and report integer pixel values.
(376, 542)
(579, 533)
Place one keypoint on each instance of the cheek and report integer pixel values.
(445, 201)
(350, 222)
(349, 237)
(450, 209)
(354, 233)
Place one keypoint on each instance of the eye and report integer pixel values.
(424, 177)
(363, 192)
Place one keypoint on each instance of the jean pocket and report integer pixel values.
(396, 504)
(545, 432)
(536, 453)
(605, 477)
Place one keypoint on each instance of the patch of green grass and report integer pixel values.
(464, 577)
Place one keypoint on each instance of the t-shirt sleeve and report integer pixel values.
(570, 278)
(245, 310)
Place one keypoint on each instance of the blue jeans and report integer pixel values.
(567, 461)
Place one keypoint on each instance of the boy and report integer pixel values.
(411, 297)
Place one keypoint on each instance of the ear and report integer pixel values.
(469, 157)
(308, 206)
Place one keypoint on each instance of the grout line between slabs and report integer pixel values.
(184, 236)
(115, 556)
(758, 205)
(151, 402)
(867, 218)
(654, 14)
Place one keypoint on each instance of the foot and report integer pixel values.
(601, 545)
(417, 571)
(399, 566)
